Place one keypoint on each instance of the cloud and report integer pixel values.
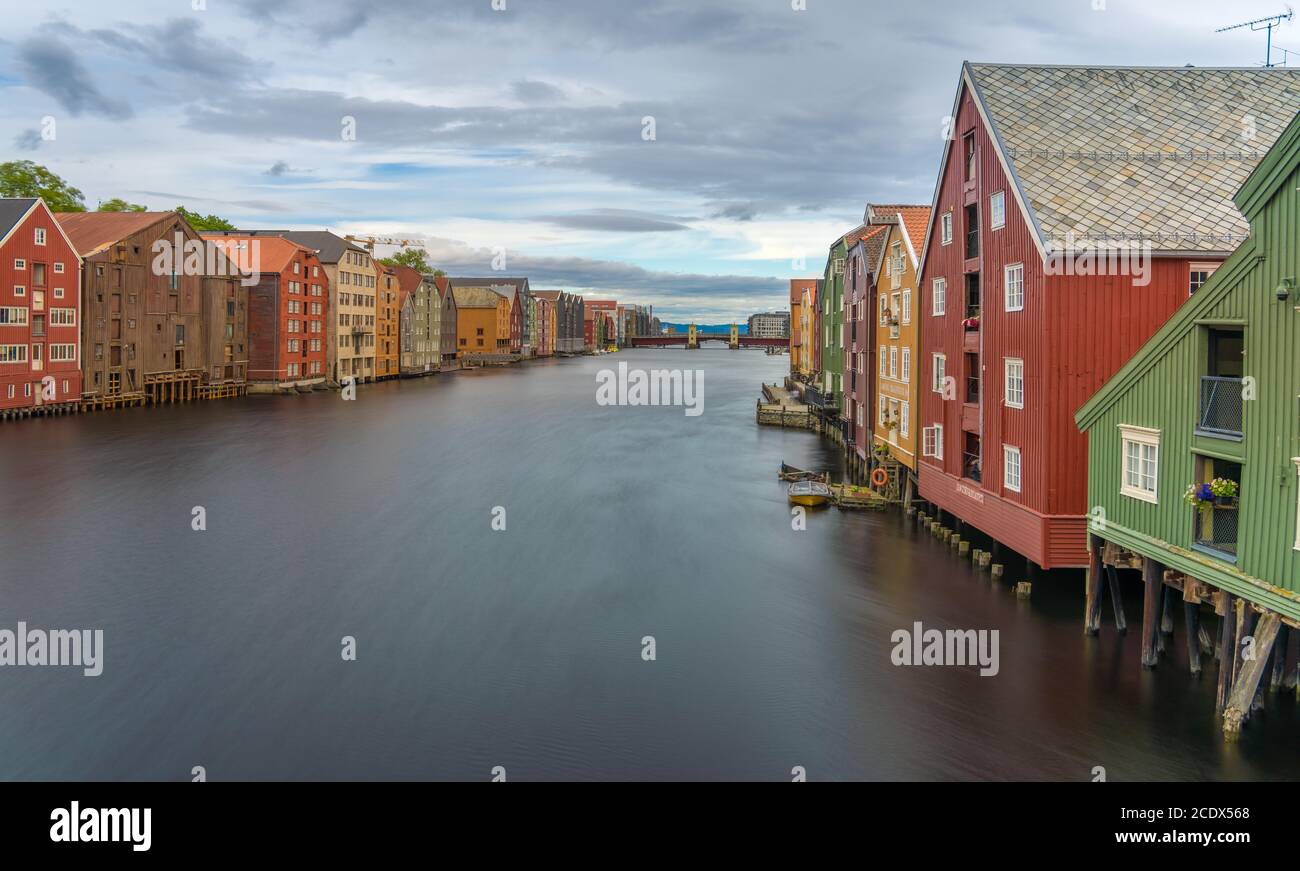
(49, 66)
(617, 221)
(178, 45)
(530, 91)
(29, 139)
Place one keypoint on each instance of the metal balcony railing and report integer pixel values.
(820, 399)
(1221, 407)
(1216, 529)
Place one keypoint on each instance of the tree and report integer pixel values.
(412, 257)
(23, 178)
(117, 204)
(204, 222)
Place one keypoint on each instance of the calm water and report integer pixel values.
(522, 648)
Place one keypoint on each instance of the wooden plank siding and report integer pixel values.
(1159, 390)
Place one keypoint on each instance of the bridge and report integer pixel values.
(692, 338)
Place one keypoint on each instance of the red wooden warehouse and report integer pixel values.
(40, 309)
(1076, 209)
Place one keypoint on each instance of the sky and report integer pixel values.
(690, 154)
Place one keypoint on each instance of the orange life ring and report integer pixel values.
(880, 477)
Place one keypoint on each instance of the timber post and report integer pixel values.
(1192, 619)
(1151, 577)
(1227, 637)
(1247, 682)
(1092, 588)
(1117, 601)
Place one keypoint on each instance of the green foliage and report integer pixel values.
(23, 178)
(117, 204)
(205, 222)
(412, 257)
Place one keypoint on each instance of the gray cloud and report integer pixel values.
(49, 66)
(178, 45)
(617, 221)
(532, 91)
(28, 140)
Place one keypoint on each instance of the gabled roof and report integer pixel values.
(328, 247)
(274, 253)
(1142, 155)
(92, 232)
(469, 296)
(408, 279)
(12, 212)
(798, 286)
(551, 295)
(1281, 161)
(872, 241)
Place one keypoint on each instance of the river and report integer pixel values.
(521, 648)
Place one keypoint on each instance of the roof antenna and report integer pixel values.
(1264, 24)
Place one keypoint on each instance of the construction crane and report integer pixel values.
(1263, 24)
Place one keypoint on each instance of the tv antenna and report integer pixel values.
(1263, 24)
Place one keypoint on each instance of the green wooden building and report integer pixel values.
(1212, 399)
(828, 398)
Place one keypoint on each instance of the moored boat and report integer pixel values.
(793, 473)
(809, 493)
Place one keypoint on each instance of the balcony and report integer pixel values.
(1215, 530)
(1221, 408)
(970, 466)
(820, 400)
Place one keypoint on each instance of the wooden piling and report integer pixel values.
(996, 570)
(1279, 658)
(1151, 577)
(1247, 681)
(1192, 619)
(1117, 601)
(1227, 637)
(1092, 588)
(963, 549)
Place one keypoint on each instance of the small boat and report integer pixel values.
(810, 493)
(792, 473)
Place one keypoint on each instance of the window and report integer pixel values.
(904, 413)
(1198, 274)
(939, 292)
(859, 415)
(20, 263)
(1013, 285)
(932, 441)
(838, 266)
(881, 412)
(1014, 387)
(907, 306)
(1141, 462)
(893, 362)
(13, 315)
(883, 366)
(19, 290)
(968, 148)
(998, 210)
(905, 366)
(58, 269)
(938, 365)
(1011, 468)
(13, 353)
(63, 353)
(40, 235)
(884, 309)
(945, 228)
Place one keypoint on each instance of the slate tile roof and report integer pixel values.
(1136, 154)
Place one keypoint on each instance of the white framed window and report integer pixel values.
(20, 263)
(998, 210)
(58, 293)
(893, 362)
(40, 235)
(1013, 287)
(13, 353)
(939, 294)
(904, 415)
(1014, 382)
(932, 441)
(19, 290)
(1198, 274)
(859, 415)
(63, 317)
(63, 353)
(1011, 468)
(907, 306)
(945, 228)
(13, 315)
(58, 268)
(905, 365)
(1141, 473)
(884, 309)
(938, 364)
(883, 365)
(881, 405)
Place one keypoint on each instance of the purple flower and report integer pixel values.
(1205, 494)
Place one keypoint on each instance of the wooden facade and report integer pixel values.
(1008, 351)
(387, 322)
(288, 309)
(420, 322)
(40, 310)
(154, 332)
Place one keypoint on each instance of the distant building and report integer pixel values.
(770, 325)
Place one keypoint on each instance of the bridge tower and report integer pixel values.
(692, 339)
(733, 341)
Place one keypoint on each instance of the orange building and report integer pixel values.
(388, 291)
(482, 322)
